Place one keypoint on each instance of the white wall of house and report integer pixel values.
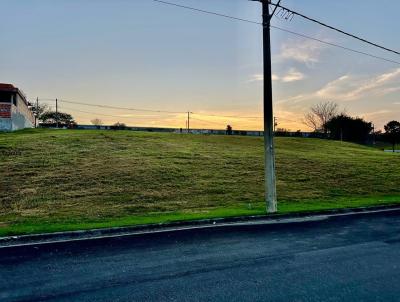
(21, 116)
(5, 117)
(5, 124)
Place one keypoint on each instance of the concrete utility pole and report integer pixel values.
(269, 151)
(37, 111)
(57, 113)
(188, 121)
(373, 134)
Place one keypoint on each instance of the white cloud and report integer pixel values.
(350, 87)
(291, 76)
(381, 85)
(275, 77)
(337, 89)
(390, 90)
(257, 78)
(260, 78)
(303, 51)
(295, 99)
(375, 113)
(380, 117)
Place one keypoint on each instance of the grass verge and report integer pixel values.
(55, 180)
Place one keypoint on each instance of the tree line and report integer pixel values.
(47, 118)
(50, 119)
(328, 119)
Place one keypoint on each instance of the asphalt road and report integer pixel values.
(340, 259)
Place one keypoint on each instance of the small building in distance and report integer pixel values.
(15, 112)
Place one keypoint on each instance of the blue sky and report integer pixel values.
(142, 54)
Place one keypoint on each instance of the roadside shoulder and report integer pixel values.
(283, 220)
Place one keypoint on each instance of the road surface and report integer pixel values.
(340, 259)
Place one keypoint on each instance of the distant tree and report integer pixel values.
(320, 114)
(118, 126)
(282, 132)
(298, 133)
(392, 132)
(50, 118)
(344, 127)
(97, 122)
(229, 130)
(39, 109)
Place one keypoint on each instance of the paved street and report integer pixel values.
(340, 259)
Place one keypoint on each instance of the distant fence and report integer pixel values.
(371, 139)
(196, 131)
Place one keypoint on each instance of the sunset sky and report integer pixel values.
(142, 54)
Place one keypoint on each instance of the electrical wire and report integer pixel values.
(287, 9)
(291, 32)
(148, 110)
(221, 124)
(115, 107)
(336, 29)
(110, 115)
(143, 117)
(285, 119)
(336, 45)
(229, 116)
(206, 12)
(208, 122)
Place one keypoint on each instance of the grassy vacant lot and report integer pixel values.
(53, 180)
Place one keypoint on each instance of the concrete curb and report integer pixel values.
(165, 228)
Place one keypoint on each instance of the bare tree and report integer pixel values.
(39, 109)
(320, 114)
(97, 122)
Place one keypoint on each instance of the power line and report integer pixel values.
(336, 45)
(215, 123)
(336, 29)
(284, 30)
(208, 122)
(285, 119)
(115, 107)
(143, 117)
(136, 117)
(109, 115)
(207, 12)
(148, 110)
(122, 108)
(230, 116)
(91, 113)
(115, 116)
(46, 100)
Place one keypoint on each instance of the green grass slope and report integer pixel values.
(53, 180)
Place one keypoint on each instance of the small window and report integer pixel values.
(14, 99)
